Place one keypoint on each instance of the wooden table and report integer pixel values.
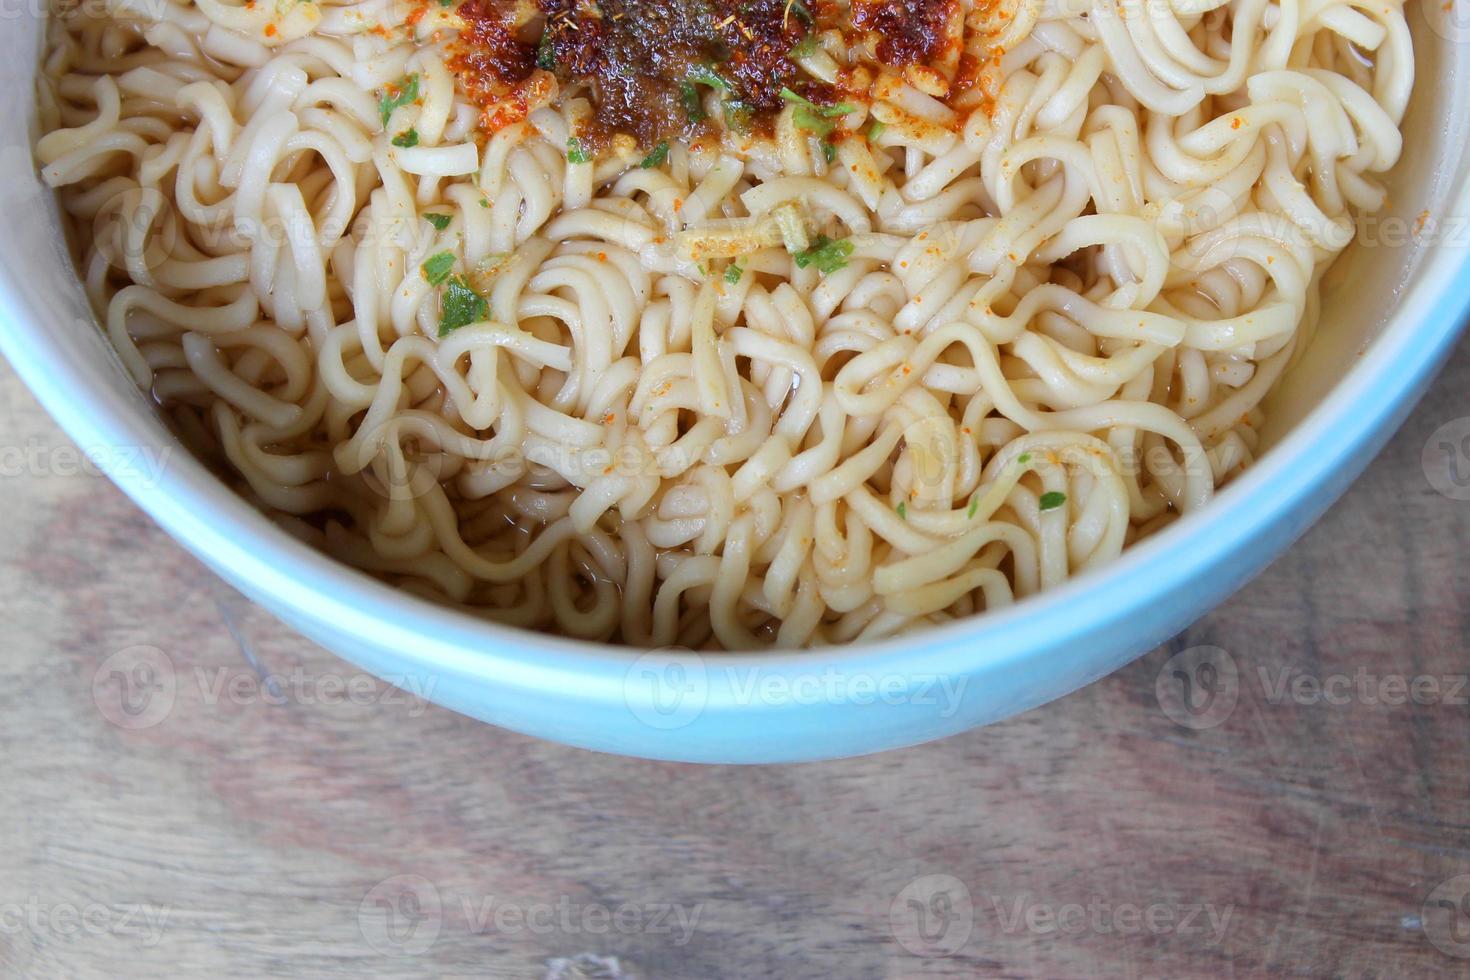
(324, 826)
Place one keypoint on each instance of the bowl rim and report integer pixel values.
(222, 528)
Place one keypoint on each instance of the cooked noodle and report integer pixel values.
(1058, 304)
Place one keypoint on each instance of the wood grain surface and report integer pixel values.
(1305, 812)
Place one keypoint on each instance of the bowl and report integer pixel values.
(1390, 316)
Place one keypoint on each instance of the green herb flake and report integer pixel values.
(811, 122)
(815, 118)
(1052, 499)
(1024, 458)
(439, 221)
(461, 305)
(436, 267)
(575, 153)
(738, 114)
(828, 256)
(656, 156)
(446, 3)
(403, 93)
(689, 98)
(875, 130)
(805, 48)
(545, 53)
(903, 511)
(484, 202)
(733, 273)
(974, 506)
(802, 12)
(828, 111)
(829, 152)
(407, 139)
(706, 75)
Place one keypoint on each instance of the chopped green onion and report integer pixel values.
(705, 75)
(802, 13)
(656, 156)
(812, 117)
(446, 3)
(575, 153)
(829, 152)
(733, 273)
(828, 256)
(830, 111)
(436, 267)
(1052, 499)
(689, 97)
(1024, 458)
(903, 511)
(439, 221)
(545, 53)
(805, 48)
(738, 114)
(875, 129)
(812, 123)
(461, 305)
(974, 505)
(484, 202)
(408, 92)
(406, 139)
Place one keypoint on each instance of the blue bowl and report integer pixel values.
(1389, 320)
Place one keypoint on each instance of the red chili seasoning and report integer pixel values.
(653, 69)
